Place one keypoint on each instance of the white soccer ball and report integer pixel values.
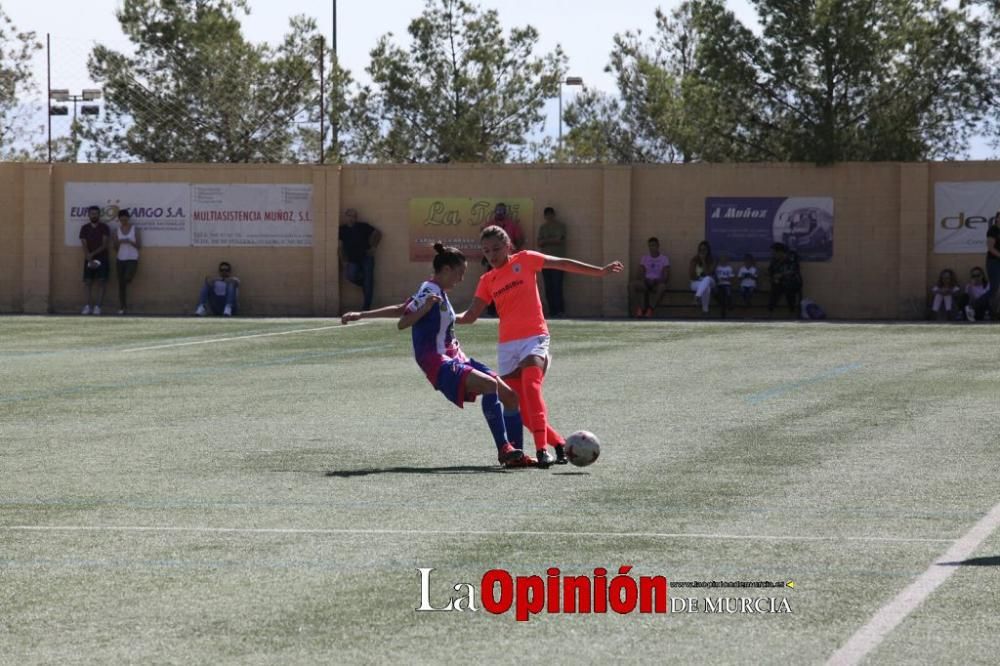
(94, 264)
(582, 448)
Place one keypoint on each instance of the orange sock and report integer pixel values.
(552, 437)
(534, 413)
(515, 383)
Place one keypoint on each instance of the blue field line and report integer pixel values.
(782, 389)
(485, 506)
(186, 374)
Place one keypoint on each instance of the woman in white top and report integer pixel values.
(127, 243)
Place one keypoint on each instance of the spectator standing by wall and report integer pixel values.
(127, 244)
(95, 238)
(552, 241)
(993, 260)
(356, 249)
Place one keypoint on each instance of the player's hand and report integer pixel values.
(432, 301)
(350, 316)
(614, 267)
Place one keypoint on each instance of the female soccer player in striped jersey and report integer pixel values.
(523, 346)
(432, 319)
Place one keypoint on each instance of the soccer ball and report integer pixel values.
(94, 264)
(582, 448)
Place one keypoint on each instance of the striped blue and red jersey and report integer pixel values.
(433, 335)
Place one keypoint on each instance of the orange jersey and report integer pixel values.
(514, 289)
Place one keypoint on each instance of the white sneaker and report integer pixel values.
(97, 310)
(86, 310)
(121, 312)
(970, 313)
(228, 312)
(200, 311)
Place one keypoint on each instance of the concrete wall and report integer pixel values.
(882, 268)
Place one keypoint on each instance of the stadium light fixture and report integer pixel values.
(568, 81)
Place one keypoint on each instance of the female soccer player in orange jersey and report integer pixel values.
(523, 346)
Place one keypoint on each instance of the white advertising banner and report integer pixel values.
(962, 215)
(271, 215)
(160, 210)
(185, 214)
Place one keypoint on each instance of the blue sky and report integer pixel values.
(584, 29)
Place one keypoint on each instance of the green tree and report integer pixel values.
(836, 80)
(196, 91)
(16, 85)
(824, 81)
(649, 120)
(463, 91)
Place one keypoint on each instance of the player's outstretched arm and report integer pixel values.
(470, 316)
(411, 318)
(388, 312)
(581, 268)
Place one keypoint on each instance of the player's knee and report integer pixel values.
(507, 396)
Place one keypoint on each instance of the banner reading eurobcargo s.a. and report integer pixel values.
(962, 215)
(185, 214)
(159, 210)
(736, 226)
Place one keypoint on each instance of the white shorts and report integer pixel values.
(510, 354)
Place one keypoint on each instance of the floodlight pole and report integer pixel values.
(48, 89)
(334, 128)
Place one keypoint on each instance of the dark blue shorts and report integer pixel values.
(451, 379)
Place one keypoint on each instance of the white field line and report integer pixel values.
(887, 618)
(240, 337)
(461, 533)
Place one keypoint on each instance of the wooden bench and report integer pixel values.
(682, 301)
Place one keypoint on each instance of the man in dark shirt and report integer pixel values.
(993, 261)
(356, 249)
(95, 238)
(786, 278)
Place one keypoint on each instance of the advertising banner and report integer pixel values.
(736, 226)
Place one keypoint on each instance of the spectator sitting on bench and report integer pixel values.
(786, 278)
(701, 268)
(748, 278)
(945, 292)
(650, 283)
(975, 301)
(724, 275)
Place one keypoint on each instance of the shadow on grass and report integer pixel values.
(453, 469)
(993, 561)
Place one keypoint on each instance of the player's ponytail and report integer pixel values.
(447, 256)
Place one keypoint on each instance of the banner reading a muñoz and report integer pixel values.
(457, 221)
(736, 226)
(160, 210)
(183, 214)
(962, 216)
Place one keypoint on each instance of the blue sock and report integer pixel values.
(515, 428)
(493, 411)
